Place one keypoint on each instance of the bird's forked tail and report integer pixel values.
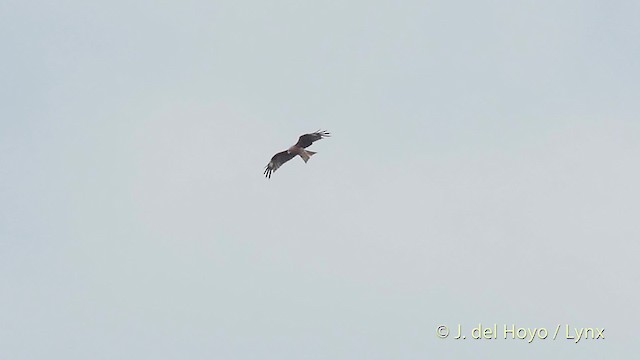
(306, 154)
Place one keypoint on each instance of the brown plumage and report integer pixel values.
(304, 141)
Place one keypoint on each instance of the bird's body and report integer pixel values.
(299, 149)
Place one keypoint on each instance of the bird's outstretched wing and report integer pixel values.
(276, 161)
(308, 139)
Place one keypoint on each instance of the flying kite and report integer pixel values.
(298, 149)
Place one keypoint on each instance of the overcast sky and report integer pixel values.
(483, 169)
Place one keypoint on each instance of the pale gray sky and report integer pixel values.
(483, 169)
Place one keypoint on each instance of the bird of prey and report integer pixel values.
(298, 149)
